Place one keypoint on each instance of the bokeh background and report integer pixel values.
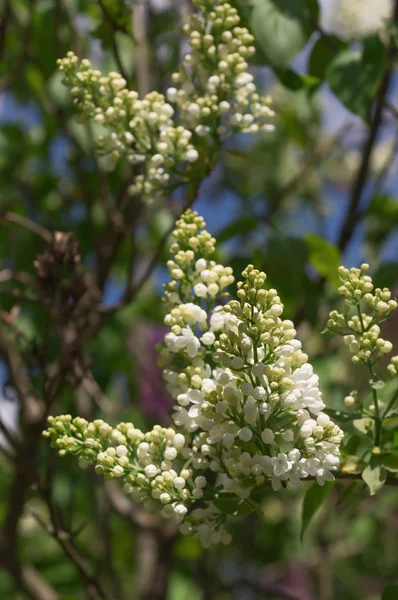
(281, 201)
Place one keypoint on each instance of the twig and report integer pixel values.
(127, 509)
(315, 157)
(261, 587)
(19, 297)
(10, 217)
(138, 19)
(108, 16)
(132, 289)
(4, 25)
(59, 532)
(11, 439)
(392, 108)
(354, 215)
(354, 477)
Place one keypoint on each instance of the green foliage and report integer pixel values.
(374, 476)
(354, 76)
(390, 592)
(323, 53)
(281, 28)
(313, 500)
(324, 257)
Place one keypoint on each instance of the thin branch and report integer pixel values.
(65, 539)
(138, 18)
(132, 288)
(19, 297)
(118, 58)
(261, 587)
(10, 437)
(392, 108)
(26, 578)
(10, 217)
(109, 18)
(130, 511)
(322, 150)
(4, 21)
(29, 403)
(354, 214)
(355, 477)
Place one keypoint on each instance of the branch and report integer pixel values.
(10, 217)
(5, 17)
(60, 533)
(354, 215)
(127, 509)
(31, 407)
(27, 578)
(20, 297)
(323, 149)
(392, 108)
(262, 588)
(132, 289)
(111, 21)
(356, 477)
(141, 49)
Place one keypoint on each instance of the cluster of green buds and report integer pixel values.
(153, 466)
(360, 325)
(216, 92)
(215, 97)
(365, 308)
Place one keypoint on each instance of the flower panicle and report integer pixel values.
(175, 139)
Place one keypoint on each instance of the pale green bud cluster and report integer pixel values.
(216, 97)
(193, 275)
(141, 130)
(153, 467)
(365, 308)
(393, 366)
(216, 91)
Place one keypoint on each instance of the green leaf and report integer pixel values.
(341, 416)
(313, 500)
(390, 592)
(374, 476)
(36, 81)
(323, 52)
(324, 257)
(355, 76)
(281, 28)
(389, 462)
(243, 225)
(384, 207)
(295, 81)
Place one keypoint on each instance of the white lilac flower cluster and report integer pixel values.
(356, 19)
(153, 466)
(248, 406)
(141, 130)
(216, 92)
(359, 323)
(215, 97)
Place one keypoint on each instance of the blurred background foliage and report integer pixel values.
(319, 191)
